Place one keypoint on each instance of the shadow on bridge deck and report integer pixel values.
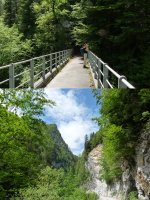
(73, 75)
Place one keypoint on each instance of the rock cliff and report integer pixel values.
(135, 175)
(104, 191)
(142, 175)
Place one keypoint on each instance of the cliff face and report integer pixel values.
(137, 177)
(134, 177)
(104, 191)
(142, 175)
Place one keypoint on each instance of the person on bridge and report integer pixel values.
(85, 53)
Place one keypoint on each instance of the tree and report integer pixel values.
(25, 143)
(11, 8)
(26, 18)
(56, 184)
(29, 103)
(18, 164)
(12, 49)
(53, 25)
(117, 32)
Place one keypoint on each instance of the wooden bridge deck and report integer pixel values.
(73, 75)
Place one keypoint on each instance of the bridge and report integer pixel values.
(60, 70)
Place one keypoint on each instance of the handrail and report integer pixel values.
(102, 73)
(24, 74)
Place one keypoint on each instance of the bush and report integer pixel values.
(12, 48)
(133, 196)
(54, 184)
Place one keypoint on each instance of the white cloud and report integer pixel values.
(72, 117)
(74, 133)
(66, 105)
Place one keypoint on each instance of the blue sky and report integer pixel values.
(73, 115)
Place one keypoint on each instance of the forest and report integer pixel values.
(35, 162)
(117, 31)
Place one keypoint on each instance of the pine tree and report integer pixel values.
(87, 144)
(11, 7)
(26, 18)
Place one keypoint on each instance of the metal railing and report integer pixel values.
(105, 76)
(28, 73)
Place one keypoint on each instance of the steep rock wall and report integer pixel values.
(134, 177)
(137, 176)
(104, 191)
(142, 175)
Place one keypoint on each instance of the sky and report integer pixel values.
(73, 115)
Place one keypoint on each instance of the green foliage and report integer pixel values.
(29, 103)
(53, 25)
(48, 186)
(117, 32)
(114, 149)
(11, 7)
(26, 18)
(55, 184)
(28, 145)
(1, 7)
(81, 172)
(25, 144)
(18, 163)
(12, 47)
(92, 142)
(61, 155)
(133, 196)
(122, 116)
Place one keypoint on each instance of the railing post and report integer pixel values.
(63, 57)
(120, 83)
(32, 73)
(11, 76)
(51, 63)
(105, 77)
(66, 55)
(43, 68)
(56, 60)
(92, 63)
(90, 58)
(59, 58)
(95, 68)
(70, 53)
(99, 74)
